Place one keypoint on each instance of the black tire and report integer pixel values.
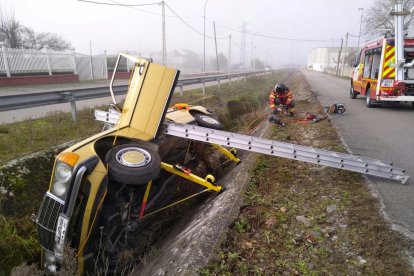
(369, 101)
(144, 164)
(207, 121)
(352, 93)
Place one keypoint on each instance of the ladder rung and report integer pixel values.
(287, 150)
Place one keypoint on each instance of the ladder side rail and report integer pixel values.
(212, 135)
(326, 158)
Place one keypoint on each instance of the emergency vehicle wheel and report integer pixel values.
(369, 101)
(134, 164)
(207, 121)
(352, 93)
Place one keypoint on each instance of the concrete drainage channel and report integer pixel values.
(192, 241)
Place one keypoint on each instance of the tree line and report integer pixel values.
(18, 36)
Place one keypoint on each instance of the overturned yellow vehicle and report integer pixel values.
(89, 177)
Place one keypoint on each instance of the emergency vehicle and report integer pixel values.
(385, 71)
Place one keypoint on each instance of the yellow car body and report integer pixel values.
(127, 153)
(143, 112)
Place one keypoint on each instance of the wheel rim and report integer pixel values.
(133, 157)
(209, 120)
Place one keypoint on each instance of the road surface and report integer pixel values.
(384, 133)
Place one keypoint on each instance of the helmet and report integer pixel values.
(280, 87)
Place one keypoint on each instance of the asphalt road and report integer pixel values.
(384, 133)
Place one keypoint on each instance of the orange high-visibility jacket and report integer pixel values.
(284, 98)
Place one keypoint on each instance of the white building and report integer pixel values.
(326, 59)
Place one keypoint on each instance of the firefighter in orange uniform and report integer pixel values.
(281, 96)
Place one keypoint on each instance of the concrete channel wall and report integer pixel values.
(193, 240)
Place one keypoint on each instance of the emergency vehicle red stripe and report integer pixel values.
(388, 58)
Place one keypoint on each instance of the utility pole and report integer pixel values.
(339, 58)
(346, 49)
(164, 43)
(360, 25)
(243, 45)
(251, 56)
(254, 59)
(204, 55)
(215, 41)
(90, 58)
(229, 61)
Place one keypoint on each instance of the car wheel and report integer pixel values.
(352, 93)
(207, 121)
(369, 101)
(134, 164)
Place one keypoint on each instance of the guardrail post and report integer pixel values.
(74, 62)
(238, 78)
(68, 96)
(204, 87)
(105, 69)
(229, 80)
(218, 83)
(91, 66)
(49, 65)
(5, 61)
(181, 90)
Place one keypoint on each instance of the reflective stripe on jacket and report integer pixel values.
(284, 98)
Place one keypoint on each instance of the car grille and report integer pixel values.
(47, 219)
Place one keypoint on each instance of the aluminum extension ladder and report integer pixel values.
(291, 151)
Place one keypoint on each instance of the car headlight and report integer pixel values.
(49, 257)
(49, 262)
(63, 174)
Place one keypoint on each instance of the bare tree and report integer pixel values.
(377, 19)
(18, 36)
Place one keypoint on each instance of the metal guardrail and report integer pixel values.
(13, 102)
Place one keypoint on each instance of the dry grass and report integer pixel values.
(346, 235)
(28, 180)
(21, 138)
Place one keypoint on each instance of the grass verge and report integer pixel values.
(23, 184)
(302, 219)
(33, 135)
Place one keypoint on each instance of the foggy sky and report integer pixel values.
(117, 28)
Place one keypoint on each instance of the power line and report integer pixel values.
(118, 4)
(235, 43)
(276, 37)
(189, 26)
(198, 16)
(287, 38)
(131, 6)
